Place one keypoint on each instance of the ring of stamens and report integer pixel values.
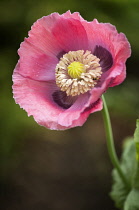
(77, 72)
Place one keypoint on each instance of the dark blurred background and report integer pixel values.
(50, 170)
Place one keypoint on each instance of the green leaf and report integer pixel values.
(132, 201)
(119, 192)
(136, 139)
(124, 198)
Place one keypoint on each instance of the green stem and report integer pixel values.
(110, 143)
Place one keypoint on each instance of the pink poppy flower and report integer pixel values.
(65, 65)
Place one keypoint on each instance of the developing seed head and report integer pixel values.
(75, 69)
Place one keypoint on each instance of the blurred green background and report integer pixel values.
(50, 170)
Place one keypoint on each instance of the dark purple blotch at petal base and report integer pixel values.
(60, 54)
(61, 99)
(106, 60)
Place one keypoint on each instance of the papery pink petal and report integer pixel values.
(41, 36)
(97, 106)
(103, 34)
(122, 52)
(70, 34)
(118, 74)
(106, 35)
(78, 114)
(97, 92)
(75, 15)
(35, 98)
(68, 116)
(35, 64)
(47, 32)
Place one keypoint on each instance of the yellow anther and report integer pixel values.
(75, 69)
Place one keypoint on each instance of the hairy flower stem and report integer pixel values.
(110, 144)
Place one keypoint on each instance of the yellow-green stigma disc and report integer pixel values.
(75, 69)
